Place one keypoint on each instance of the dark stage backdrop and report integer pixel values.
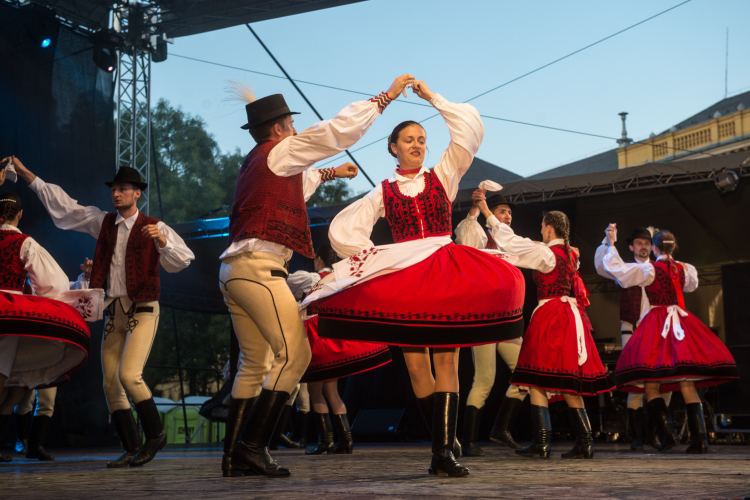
(56, 115)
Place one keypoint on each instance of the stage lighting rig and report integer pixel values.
(726, 181)
(106, 44)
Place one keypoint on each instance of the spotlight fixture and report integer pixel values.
(726, 181)
(46, 42)
(105, 58)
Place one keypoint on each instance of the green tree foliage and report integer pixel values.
(330, 193)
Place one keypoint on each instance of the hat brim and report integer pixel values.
(251, 125)
(511, 205)
(140, 185)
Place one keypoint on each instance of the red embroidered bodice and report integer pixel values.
(630, 303)
(491, 245)
(663, 291)
(141, 259)
(425, 215)
(12, 273)
(268, 206)
(559, 281)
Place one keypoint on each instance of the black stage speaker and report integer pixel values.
(735, 284)
(378, 425)
(734, 397)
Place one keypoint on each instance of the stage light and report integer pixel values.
(105, 58)
(46, 42)
(726, 181)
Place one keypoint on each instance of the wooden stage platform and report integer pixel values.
(390, 471)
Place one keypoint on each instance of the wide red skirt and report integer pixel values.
(333, 358)
(54, 338)
(700, 356)
(549, 355)
(457, 297)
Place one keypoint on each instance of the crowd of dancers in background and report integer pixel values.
(422, 292)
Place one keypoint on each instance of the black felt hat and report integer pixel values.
(498, 199)
(639, 232)
(128, 175)
(266, 109)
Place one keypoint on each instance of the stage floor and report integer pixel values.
(394, 471)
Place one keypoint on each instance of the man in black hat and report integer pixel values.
(268, 223)
(129, 248)
(633, 305)
(496, 210)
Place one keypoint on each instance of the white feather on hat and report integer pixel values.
(240, 92)
(653, 230)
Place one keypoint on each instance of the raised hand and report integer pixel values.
(477, 196)
(22, 171)
(86, 267)
(152, 231)
(422, 90)
(399, 84)
(346, 171)
(611, 233)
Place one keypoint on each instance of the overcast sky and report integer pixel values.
(660, 72)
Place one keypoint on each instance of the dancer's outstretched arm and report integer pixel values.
(609, 264)
(531, 255)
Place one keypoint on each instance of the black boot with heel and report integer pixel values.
(156, 438)
(325, 434)
(127, 430)
(23, 426)
(345, 443)
(426, 407)
(239, 411)
(39, 429)
(506, 417)
(469, 446)
(541, 434)
(584, 447)
(659, 413)
(444, 420)
(697, 426)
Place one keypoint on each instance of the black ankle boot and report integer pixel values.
(506, 417)
(153, 429)
(635, 428)
(325, 434)
(444, 420)
(697, 426)
(127, 430)
(657, 410)
(541, 434)
(345, 443)
(239, 411)
(250, 456)
(426, 407)
(23, 426)
(472, 417)
(584, 447)
(3, 419)
(280, 438)
(39, 429)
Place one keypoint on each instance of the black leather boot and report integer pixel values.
(541, 434)
(651, 432)
(280, 438)
(506, 417)
(635, 428)
(239, 411)
(39, 429)
(697, 426)
(3, 419)
(127, 430)
(300, 432)
(657, 410)
(444, 418)
(469, 446)
(426, 407)
(23, 426)
(345, 443)
(325, 434)
(584, 447)
(153, 429)
(250, 456)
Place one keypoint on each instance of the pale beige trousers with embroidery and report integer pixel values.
(485, 367)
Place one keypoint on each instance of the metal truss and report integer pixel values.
(136, 21)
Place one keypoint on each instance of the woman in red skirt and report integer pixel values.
(41, 339)
(671, 349)
(331, 360)
(558, 355)
(422, 291)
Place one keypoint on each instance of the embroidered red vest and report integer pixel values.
(663, 291)
(141, 259)
(12, 273)
(268, 206)
(427, 214)
(630, 303)
(559, 281)
(491, 245)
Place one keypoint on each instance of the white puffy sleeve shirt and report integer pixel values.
(46, 277)
(301, 282)
(350, 230)
(531, 255)
(66, 213)
(627, 274)
(470, 233)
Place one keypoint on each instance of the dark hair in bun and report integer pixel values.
(10, 205)
(326, 253)
(396, 131)
(665, 242)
